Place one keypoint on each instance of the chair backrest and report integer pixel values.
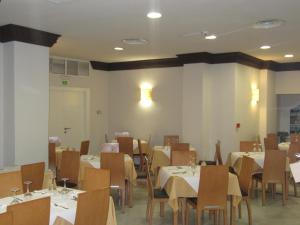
(180, 147)
(271, 142)
(142, 161)
(6, 218)
(52, 156)
(84, 147)
(213, 186)
(170, 140)
(295, 138)
(126, 145)
(249, 146)
(274, 166)
(34, 212)
(149, 181)
(35, 173)
(183, 158)
(115, 163)
(293, 150)
(218, 155)
(92, 207)
(69, 168)
(245, 175)
(8, 181)
(95, 179)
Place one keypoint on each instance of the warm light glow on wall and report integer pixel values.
(146, 95)
(255, 95)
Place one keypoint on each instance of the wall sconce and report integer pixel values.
(255, 95)
(146, 95)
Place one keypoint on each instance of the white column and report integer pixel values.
(26, 102)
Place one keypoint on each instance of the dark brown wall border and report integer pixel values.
(12, 32)
(200, 57)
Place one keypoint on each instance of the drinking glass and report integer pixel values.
(65, 189)
(14, 191)
(27, 183)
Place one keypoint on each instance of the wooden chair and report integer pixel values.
(183, 158)
(126, 145)
(180, 147)
(273, 173)
(212, 193)
(271, 142)
(245, 179)
(84, 147)
(170, 140)
(217, 158)
(8, 181)
(69, 168)
(115, 163)
(249, 146)
(293, 150)
(154, 196)
(92, 207)
(95, 179)
(295, 138)
(34, 212)
(52, 156)
(6, 218)
(35, 173)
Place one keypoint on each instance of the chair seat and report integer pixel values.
(207, 162)
(68, 184)
(160, 193)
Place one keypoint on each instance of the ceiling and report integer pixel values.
(90, 29)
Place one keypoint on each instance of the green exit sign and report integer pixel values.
(65, 83)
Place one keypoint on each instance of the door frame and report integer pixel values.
(86, 92)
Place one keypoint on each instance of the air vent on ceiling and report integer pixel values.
(69, 67)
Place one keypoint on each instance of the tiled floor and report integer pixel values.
(272, 214)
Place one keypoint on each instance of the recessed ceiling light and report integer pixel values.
(288, 55)
(135, 41)
(210, 37)
(154, 15)
(60, 1)
(269, 23)
(264, 47)
(118, 48)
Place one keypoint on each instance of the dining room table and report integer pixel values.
(284, 146)
(94, 162)
(113, 146)
(63, 204)
(181, 182)
(161, 156)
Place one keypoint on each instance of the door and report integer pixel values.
(68, 115)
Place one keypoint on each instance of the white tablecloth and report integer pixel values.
(95, 160)
(259, 157)
(184, 172)
(284, 146)
(167, 150)
(114, 146)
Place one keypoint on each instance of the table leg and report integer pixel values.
(175, 217)
(232, 211)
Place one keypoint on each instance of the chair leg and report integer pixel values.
(249, 211)
(225, 216)
(151, 212)
(263, 190)
(198, 217)
(240, 210)
(295, 188)
(162, 209)
(187, 212)
(148, 209)
(215, 212)
(283, 194)
(123, 200)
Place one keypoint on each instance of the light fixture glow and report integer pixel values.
(154, 15)
(264, 47)
(146, 95)
(255, 95)
(210, 37)
(118, 48)
(288, 55)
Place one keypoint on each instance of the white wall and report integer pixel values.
(97, 83)
(125, 113)
(287, 82)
